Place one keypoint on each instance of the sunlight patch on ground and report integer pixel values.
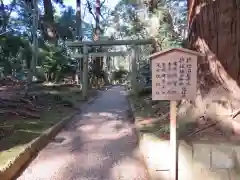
(87, 127)
(108, 115)
(49, 84)
(94, 159)
(9, 155)
(47, 168)
(3, 88)
(127, 169)
(90, 114)
(110, 136)
(63, 139)
(28, 131)
(124, 93)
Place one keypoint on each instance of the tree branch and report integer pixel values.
(2, 33)
(190, 11)
(203, 128)
(102, 3)
(90, 9)
(7, 15)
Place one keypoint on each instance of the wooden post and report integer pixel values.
(105, 70)
(129, 63)
(85, 72)
(134, 70)
(169, 69)
(79, 37)
(173, 140)
(77, 71)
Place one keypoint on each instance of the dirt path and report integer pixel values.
(99, 145)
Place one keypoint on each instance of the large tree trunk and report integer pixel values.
(152, 6)
(32, 69)
(214, 29)
(79, 37)
(98, 61)
(48, 24)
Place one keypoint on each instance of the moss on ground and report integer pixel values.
(154, 114)
(58, 103)
(153, 117)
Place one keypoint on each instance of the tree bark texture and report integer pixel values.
(98, 61)
(214, 29)
(49, 28)
(152, 5)
(79, 37)
(79, 21)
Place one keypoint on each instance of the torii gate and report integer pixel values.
(85, 56)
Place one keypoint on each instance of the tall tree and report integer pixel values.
(78, 21)
(98, 61)
(97, 23)
(49, 29)
(34, 41)
(79, 37)
(214, 29)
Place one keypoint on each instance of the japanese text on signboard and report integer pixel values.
(174, 78)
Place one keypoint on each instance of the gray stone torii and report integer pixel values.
(85, 56)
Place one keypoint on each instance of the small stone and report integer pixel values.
(220, 174)
(222, 157)
(202, 155)
(202, 120)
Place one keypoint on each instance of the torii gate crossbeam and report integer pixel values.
(85, 55)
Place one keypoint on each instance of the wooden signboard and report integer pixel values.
(174, 77)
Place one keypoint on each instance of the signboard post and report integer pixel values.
(174, 77)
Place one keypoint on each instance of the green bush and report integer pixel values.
(119, 74)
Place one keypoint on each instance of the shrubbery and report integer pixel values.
(120, 74)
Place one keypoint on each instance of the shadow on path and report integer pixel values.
(100, 144)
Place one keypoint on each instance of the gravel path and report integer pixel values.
(98, 145)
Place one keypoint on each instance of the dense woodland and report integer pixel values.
(33, 36)
(18, 31)
(214, 31)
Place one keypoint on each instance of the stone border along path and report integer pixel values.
(100, 144)
(198, 160)
(30, 151)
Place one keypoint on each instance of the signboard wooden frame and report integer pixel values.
(174, 77)
(174, 74)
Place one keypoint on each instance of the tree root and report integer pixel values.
(204, 128)
(153, 120)
(235, 114)
(20, 113)
(18, 107)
